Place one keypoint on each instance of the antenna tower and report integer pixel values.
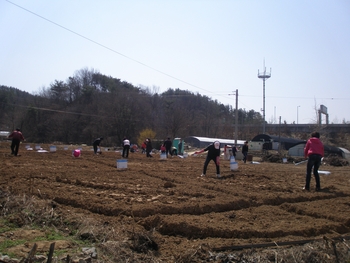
(264, 75)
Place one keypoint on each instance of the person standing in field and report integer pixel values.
(245, 149)
(16, 137)
(234, 150)
(180, 148)
(313, 151)
(149, 147)
(167, 144)
(213, 154)
(126, 147)
(143, 147)
(97, 143)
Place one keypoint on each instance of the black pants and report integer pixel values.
(245, 156)
(95, 148)
(15, 146)
(314, 161)
(126, 149)
(207, 162)
(168, 151)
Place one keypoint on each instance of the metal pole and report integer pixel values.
(264, 106)
(236, 118)
(279, 136)
(298, 114)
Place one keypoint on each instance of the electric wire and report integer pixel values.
(112, 50)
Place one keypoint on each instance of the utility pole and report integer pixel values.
(236, 118)
(298, 114)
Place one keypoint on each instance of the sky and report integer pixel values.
(210, 47)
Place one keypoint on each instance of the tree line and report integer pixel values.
(89, 105)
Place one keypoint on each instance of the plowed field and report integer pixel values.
(260, 202)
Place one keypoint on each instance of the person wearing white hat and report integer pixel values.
(213, 154)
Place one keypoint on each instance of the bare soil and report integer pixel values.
(162, 210)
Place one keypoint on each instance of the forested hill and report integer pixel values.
(90, 104)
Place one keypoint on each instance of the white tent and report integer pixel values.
(201, 142)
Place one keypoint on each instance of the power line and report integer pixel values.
(112, 50)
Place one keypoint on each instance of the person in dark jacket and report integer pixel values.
(167, 144)
(234, 150)
(313, 151)
(97, 143)
(245, 151)
(149, 147)
(213, 154)
(16, 137)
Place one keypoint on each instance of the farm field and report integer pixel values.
(181, 216)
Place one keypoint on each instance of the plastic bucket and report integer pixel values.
(284, 160)
(53, 149)
(185, 155)
(233, 166)
(122, 164)
(232, 159)
(163, 156)
(37, 147)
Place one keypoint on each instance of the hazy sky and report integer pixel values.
(210, 47)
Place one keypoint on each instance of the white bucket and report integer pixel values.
(53, 149)
(122, 164)
(284, 160)
(232, 159)
(37, 147)
(185, 155)
(163, 156)
(233, 166)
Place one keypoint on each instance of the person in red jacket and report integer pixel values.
(17, 137)
(313, 151)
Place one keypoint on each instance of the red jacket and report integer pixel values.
(16, 135)
(313, 146)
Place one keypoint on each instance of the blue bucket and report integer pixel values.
(122, 164)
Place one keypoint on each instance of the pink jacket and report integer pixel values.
(313, 146)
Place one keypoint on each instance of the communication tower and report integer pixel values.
(264, 76)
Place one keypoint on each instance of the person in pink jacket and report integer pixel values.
(313, 151)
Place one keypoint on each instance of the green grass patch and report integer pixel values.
(10, 243)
